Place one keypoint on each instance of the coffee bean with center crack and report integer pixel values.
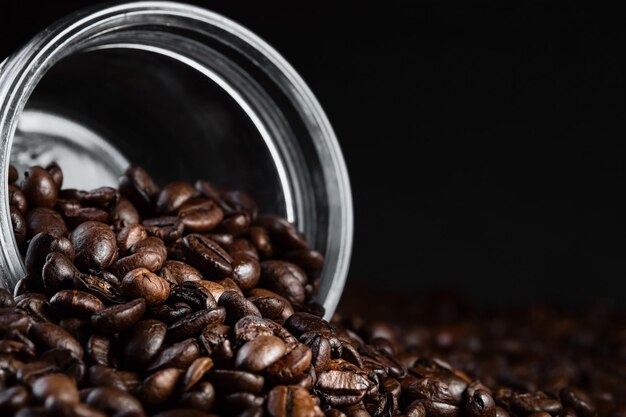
(142, 283)
(119, 317)
(290, 401)
(39, 187)
(144, 341)
(207, 256)
(95, 245)
(76, 303)
(258, 354)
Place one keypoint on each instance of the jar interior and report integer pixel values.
(96, 111)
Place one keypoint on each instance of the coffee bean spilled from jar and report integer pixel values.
(186, 301)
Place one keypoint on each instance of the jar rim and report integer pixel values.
(21, 72)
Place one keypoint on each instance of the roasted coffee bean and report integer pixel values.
(17, 199)
(169, 314)
(194, 323)
(74, 218)
(176, 272)
(76, 303)
(35, 305)
(342, 384)
(215, 337)
(148, 260)
(246, 271)
(159, 387)
(231, 381)
(230, 285)
(179, 355)
(261, 241)
(99, 349)
(95, 246)
(111, 401)
(129, 235)
(100, 287)
(527, 403)
(144, 341)
(183, 412)
(55, 390)
(479, 403)
(242, 246)
(241, 401)
(290, 401)
(310, 261)
(276, 308)
(282, 232)
(216, 290)
(141, 282)
(123, 214)
(201, 216)
(223, 239)
(290, 366)
(173, 196)
(13, 174)
(168, 228)
(238, 200)
(41, 245)
(195, 294)
(105, 198)
(234, 223)
(195, 372)
(202, 397)
(103, 376)
(579, 401)
(207, 256)
(139, 187)
(58, 273)
(300, 323)
(39, 187)
(119, 317)
(237, 307)
(258, 354)
(56, 173)
(18, 223)
(250, 327)
(42, 219)
(52, 336)
(6, 299)
(284, 278)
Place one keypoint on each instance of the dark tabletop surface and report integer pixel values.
(485, 142)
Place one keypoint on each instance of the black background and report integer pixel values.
(485, 141)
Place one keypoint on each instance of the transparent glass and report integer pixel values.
(186, 93)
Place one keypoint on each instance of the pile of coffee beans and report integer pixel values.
(186, 301)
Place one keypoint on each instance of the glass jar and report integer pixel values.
(186, 93)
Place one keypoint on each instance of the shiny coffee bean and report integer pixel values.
(201, 397)
(139, 188)
(201, 216)
(56, 173)
(84, 214)
(290, 401)
(41, 245)
(176, 272)
(18, 223)
(142, 283)
(290, 366)
(207, 256)
(17, 199)
(111, 401)
(173, 196)
(76, 303)
(194, 323)
(258, 354)
(179, 355)
(282, 232)
(195, 372)
(42, 219)
(119, 317)
(123, 214)
(130, 234)
(237, 306)
(284, 278)
(231, 381)
(144, 341)
(95, 246)
(234, 223)
(51, 336)
(159, 387)
(246, 271)
(261, 241)
(39, 187)
(168, 228)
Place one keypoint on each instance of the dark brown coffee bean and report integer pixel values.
(17, 199)
(169, 314)
(579, 401)
(250, 327)
(246, 271)
(41, 245)
(282, 232)
(276, 308)
(230, 381)
(261, 240)
(310, 261)
(129, 235)
(242, 246)
(99, 349)
(435, 383)
(342, 384)
(176, 272)
(290, 366)
(139, 187)
(179, 355)
(290, 401)
(194, 323)
(415, 409)
(159, 387)
(55, 390)
(13, 399)
(230, 285)
(84, 410)
(95, 246)
(284, 278)
(240, 201)
(52, 336)
(111, 401)
(118, 318)
(13, 174)
(76, 303)
(173, 196)
(150, 244)
(56, 173)
(479, 403)
(214, 338)
(234, 223)
(148, 260)
(223, 239)
(39, 187)
(18, 223)
(144, 341)
(84, 214)
(202, 397)
(100, 287)
(237, 307)
(258, 354)
(301, 322)
(195, 372)
(123, 214)
(194, 294)
(105, 198)
(42, 219)
(142, 283)
(168, 228)
(35, 305)
(103, 376)
(66, 362)
(527, 403)
(241, 401)
(6, 299)
(207, 256)
(58, 273)
(201, 216)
